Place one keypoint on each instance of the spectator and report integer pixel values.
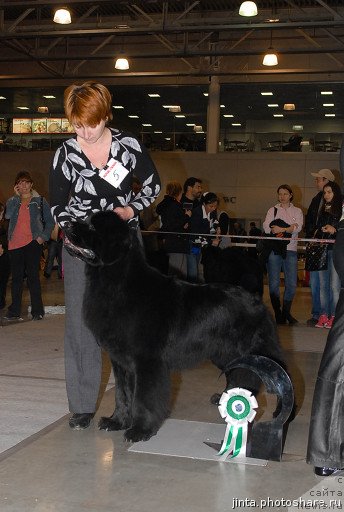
(203, 221)
(322, 177)
(292, 218)
(328, 221)
(4, 258)
(294, 143)
(30, 226)
(176, 219)
(192, 193)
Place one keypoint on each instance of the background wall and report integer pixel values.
(249, 179)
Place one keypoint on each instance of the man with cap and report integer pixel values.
(322, 177)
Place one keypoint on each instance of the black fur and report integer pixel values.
(151, 324)
(232, 266)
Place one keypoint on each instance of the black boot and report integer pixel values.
(286, 312)
(276, 304)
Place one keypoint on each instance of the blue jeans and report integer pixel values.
(192, 262)
(289, 266)
(315, 290)
(329, 287)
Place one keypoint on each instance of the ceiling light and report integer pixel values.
(2, 98)
(157, 132)
(205, 94)
(154, 95)
(248, 9)
(236, 124)
(122, 63)
(228, 115)
(167, 138)
(222, 106)
(297, 127)
(326, 93)
(43, 110)
(133, 117)
(328, 104)
(167, 106)
(278, 115)
(49, 96)
(180, 115)
(174, 108)
(146, 124)
(117, 106)
(62, 16)
(267, 93)
(272, 105)
(270, 58)
(23, 108)
(330, 115)
(289, 106)
(190, 124)
(197, 128)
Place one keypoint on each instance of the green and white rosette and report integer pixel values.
(236, 406)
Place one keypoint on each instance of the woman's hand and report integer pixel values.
(125, 213)
(328, 229)
(16, 190)
(40, 240)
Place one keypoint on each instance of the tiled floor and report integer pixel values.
(56, 469)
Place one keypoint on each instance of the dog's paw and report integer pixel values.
(110, 424)
(134, 435)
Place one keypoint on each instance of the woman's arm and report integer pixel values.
(60, 186)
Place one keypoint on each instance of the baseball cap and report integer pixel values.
(324, 173)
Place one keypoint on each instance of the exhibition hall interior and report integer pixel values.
(243, 100)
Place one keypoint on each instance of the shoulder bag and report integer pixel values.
(316, 255)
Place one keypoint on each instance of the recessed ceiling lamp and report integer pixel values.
(2, 98)
(289, 106)
(228, 115)
(326, 93)
(278, 115)
(328, 104)
(174, 108)
(62, 16)
(122, 63)
(248, 9)
(272, 105)
(270, 58)
(43, 110)
(23, 108)
(267, 93)
(236, 124)
(197, 128)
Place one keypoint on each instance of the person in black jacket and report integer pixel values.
(203, 221)
(176, 219)
(327, 225)
(322, 177)
(5, 268)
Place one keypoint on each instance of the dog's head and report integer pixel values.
(102, 241)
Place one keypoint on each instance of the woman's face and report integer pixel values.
(90, 134)
(328, 194)
(284, 196)
(210, 207)
(24, 187)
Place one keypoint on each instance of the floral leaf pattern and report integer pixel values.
(77, 191)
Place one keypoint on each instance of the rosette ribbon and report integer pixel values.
(236, 406)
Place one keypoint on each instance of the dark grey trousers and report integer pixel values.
(83, 357)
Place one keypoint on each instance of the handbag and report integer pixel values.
(316, 256)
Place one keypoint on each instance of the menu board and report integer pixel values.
(39, 125)
(42, 125)
(22, 125)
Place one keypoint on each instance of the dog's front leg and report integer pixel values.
(124, 389)
(151, 400)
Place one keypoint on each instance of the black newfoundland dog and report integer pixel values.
(151, 324)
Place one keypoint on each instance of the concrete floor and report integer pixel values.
(45, 467)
